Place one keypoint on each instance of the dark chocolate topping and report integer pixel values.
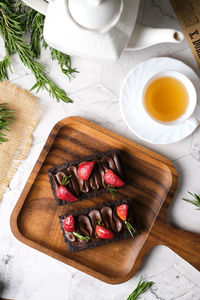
(94, 216)
(59, 176)
(70, 236)
(94, 213)
(96, 180)
(110, 219)
(86, 225)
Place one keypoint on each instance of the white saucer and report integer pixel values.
(130, 102)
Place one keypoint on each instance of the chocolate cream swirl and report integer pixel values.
(86, 225)
(96, 180)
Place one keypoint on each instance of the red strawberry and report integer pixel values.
(122, 211)
(104, 233)
(85, 169)
(64, 194)
(68, 224)
(112, 179)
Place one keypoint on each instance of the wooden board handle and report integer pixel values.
(184, 243)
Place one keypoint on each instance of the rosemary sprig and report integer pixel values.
(12, 34)
(64, 62)
(84, 238)
(35, 23)
(3, 68)
(112, 191)
(141, 288)
(15, 18)
(6, 117)
(196, 201)
(130, 228)
(65, 180)
(98, 222)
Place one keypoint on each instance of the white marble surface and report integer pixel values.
(26, 274)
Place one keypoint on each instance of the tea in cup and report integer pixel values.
(169, 97)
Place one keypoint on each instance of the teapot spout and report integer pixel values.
(144, 36)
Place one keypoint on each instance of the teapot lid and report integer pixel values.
(96, 15)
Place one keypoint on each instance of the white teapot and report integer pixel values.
(100, 29)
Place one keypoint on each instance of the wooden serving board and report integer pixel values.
(152, 182)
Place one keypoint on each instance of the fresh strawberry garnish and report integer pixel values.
(122, 211)
(64, 194)
(104, 233)
(85, 169)
(69, 226)
(112, 179)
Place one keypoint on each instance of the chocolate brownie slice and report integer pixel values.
(95, 184)
(87, 219)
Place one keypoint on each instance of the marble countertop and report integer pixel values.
(26, 274)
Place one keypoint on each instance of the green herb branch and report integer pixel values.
(196, 201)
(15, 20)
(64, 62)
(4, 64)
(130, 228)
(6, 117)
(141, 288)
(66, 180)
(83, 238)
(112, 191)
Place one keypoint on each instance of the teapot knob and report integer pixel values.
(95, 15)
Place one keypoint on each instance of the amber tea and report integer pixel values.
(166, 99)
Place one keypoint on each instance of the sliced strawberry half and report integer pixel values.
(112, 179)
(122, 211)
(85, 169)
(64, 194)
(104, 233)
(69, 224)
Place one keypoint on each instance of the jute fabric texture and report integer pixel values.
(26, 116)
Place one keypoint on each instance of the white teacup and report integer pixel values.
(191, 91)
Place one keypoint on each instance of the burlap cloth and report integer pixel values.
(27, 114)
